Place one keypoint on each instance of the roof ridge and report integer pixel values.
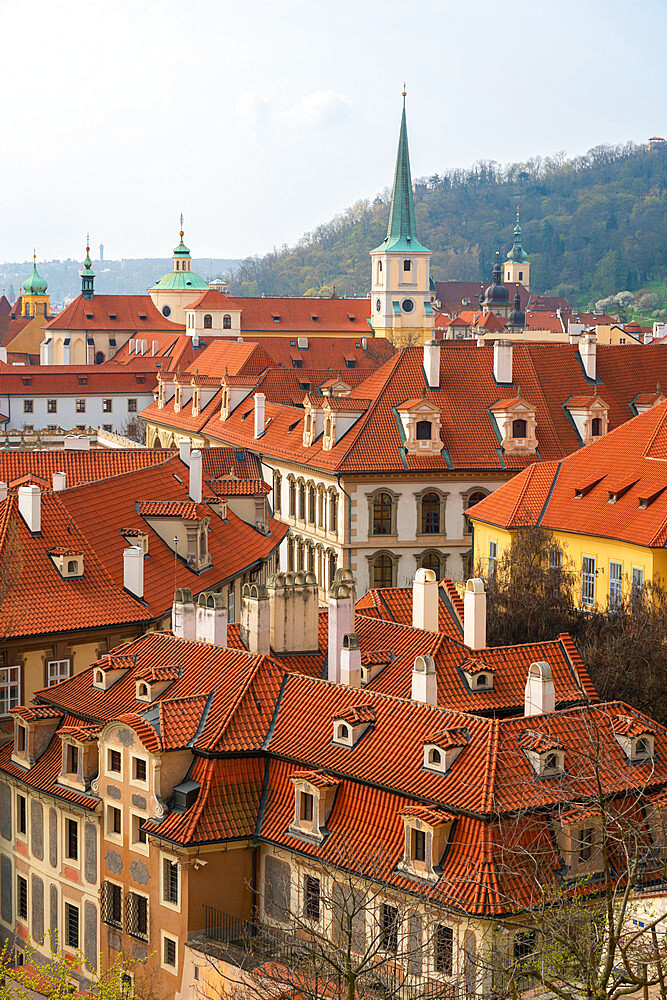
(490, 771)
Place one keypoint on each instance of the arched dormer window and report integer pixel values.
(142, 690)
(642, 747)
(550, 762)
(519, 428)
(596, 427)
(343, 732)
(226, 322)
(481, 681)
(434, 756)
(99, 678)
(424, 430)
(208, 322)
(72, 566)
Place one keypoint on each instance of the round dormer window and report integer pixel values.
(378, 305)
(343, 732)
(407, 305)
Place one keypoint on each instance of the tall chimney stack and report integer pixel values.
(540, 692)
(424, 680)
(502, 361)
(341, 619)
(212, 619)
(59, 481)
(587, 352)
(183, 614)
(133, 570)
(474, 614)
(30, 507)
(432, 363)
(425, 600)
(195, 490)
(184, 448)
(350, 661)
(260, 410)
(256, 619)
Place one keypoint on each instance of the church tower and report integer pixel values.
(517, 265)
(35, 301)
(401, 307)
(87, 275)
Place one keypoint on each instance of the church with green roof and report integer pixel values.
(180, 286)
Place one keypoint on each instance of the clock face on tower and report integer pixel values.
(407, 305)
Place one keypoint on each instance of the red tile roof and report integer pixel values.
(395, 604)
(188, 510)
(238, 487)
(79, 466)
(634, 455)
(135, 313)
(297, 315)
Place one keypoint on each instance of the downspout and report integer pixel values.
(349, 520)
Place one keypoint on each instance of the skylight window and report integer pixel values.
(292, 426)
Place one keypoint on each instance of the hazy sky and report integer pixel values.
(260, 119)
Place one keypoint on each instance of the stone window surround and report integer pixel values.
(393, 533)
(443, 506)
(136, 782)
(64, 903)
(465, 503)
(329, 504)
(168, 968)
(395, 559)
(20, 834)
(146, 896)
(168, 856)
(572, 833)
(71, 862)
(121, 886)
(108, 832)
(442, 556)
(136, 845)
(114, 775)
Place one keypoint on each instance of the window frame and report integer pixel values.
(140, 782)
(164, 938)
(11, 684)
(52, 405)
(443, 950)
(117, 888)
(71, 837)
(588, 572)
(80, 405)
(312, 901)
(60, 676)
(112, 771)
(615, 584)
(173, 861)
(136, 933)
(140, 846)
(111, 811)
(21, 815)
(68, 907)
(20, 915)
(389, 928)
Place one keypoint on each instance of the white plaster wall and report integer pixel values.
(66, 415)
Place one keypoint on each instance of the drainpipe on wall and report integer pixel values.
(349, 521)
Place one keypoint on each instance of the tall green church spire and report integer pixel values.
(517, 253)
(402, 229)
(87, 275)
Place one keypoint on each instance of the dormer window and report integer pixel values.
(68, 564)
(143, 691)
(421, 426)
(314, 793)
(636, 738)
(519, 428)
(99, 679)
(424, 430)
(441, 751)
(479, 675)
(306, 807)
(426, 834)
(516, 424)
(20, 739)
(342, 733)
(545, 754)
(590, 415)
(351, 726)
(434, 758)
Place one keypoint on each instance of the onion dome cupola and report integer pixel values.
(516, 266)
(87, 275)
(496, 297)
(35, 284)
(517, 253)
(181, 277)
(517, 318)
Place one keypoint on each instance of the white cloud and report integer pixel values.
(321, 108)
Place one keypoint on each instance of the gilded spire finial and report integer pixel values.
(182, 232)
(405, 92)
(87, 243)
(34, 255)
(517, 213)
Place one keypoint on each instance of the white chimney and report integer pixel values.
(184, 450)
(432, 363)
(194, 490)
(350, 661)
(212, 619)
(133, 570)
(3, 491)
(424, 680)
(76, 442)
(341, 619)
(256, 619)
(502, 361)
(30, 507)
(133, 345)
(260, 408)
(59, 481)
(425, 600)
(156, 347)
(587, 352)
(183, 614)
(474, 614)
(540, 692)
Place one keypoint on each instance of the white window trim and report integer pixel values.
(165, 902)
(18, 795)
(168, 968)
(59, 678)
(63, 937)
(108, 833)
(7, 683)
(136, 845)
(26, 878)
(137, 782)
(71, 862)
(117, 775)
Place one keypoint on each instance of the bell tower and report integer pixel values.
(87, 275)
(517, 266)
(401, 307)
(35, 301)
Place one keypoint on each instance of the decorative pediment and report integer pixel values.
(516, 421)
(420, 419)
(590, 415)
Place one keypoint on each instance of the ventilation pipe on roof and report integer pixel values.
(432, 363)
(183, 614)
(256, 619)
(341, 619)
(425, 600)
(212, 619)
(260, 411)
(424, 680)
(540, 691)
(474, 614)
(184, 447)
(502, 361)
(30, 507)
(587, 352)
(59, 481)
(133, 570)
(3, 491)
(350, 661)
(195, 487)
(156, 347)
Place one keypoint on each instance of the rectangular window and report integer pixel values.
(170, 952)
(10, 688)
(138, 769)
(106, 406)
(72, 839)
(72, 764)
(169, 881)
(57, 671)
(139, 836)
(444, 949)
(588, 582)
(615, 584)
(306, 811)
(114, 826)
(418, 838)
(311, 904)
(71, 925)
(21, 822)
(493, 557)
(389, 927)
(637, 582)
(52, 406)
(586, 843)
(131, 406)
(107, 427)
(28, 406)
(114, 761)
(21, 897)
(112, 904)
(20, 738)
(80, 406)
(554, 558)
(136, 915)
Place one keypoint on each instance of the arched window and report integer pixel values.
(311, 558)
(333, 511)
(208, 322)
(327, 428)
(519, 428)
(642, 748)
(596, 427)
(302, 501)
(383, 571)
(481, 681)
(71, 566)
(99, 677)
(299, 555)
(142, 691)
(343, 732)
(431, 560)
(277, 491)
(550, 762)
(226, 322)
(434, 756)
(382, 514)
(332, 567)
(292, 498)
(290, 555)
(178, 265)
(311, 505)
(309, 421)
(475, 497)
(99, 357)
(430, 514)
(424, 430)
(407, 265)
(320, 506)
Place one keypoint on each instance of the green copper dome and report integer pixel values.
(181, 250)
(35, 284)
(183, 280)
(517, 253)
